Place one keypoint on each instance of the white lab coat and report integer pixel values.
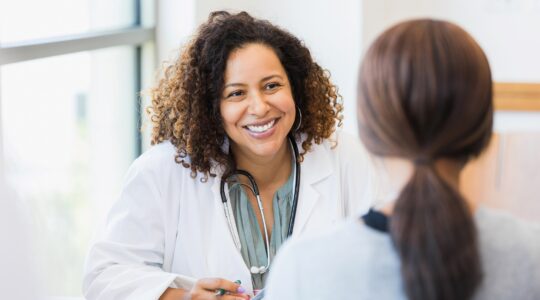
(168, 229)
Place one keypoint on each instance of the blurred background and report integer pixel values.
(71, 73)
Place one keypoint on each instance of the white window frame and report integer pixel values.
(135, 35)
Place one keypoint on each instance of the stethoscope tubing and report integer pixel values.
(255, 189)
(296, 186)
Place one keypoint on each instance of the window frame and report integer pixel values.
(136, 35)
(139, 36)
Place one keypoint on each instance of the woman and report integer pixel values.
(425, 107)
(243, 95)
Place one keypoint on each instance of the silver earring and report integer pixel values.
(225, 146)
(299, 118)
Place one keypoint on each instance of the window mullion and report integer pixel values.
(18, 52)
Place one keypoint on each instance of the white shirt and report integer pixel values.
(168, 229)
(355, 261)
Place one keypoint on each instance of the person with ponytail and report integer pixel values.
(425, 109)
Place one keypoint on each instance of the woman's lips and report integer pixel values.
(263, 130)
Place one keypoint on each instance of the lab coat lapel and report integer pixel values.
(315, 167)
(227, 261)
(221, 219)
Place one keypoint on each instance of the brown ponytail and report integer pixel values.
(425, 94)
(435, 238)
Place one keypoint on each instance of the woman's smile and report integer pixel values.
(261, 130)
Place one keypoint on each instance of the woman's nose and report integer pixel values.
(258, 104)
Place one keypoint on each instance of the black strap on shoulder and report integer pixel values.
(376, 220)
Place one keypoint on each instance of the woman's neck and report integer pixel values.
(395, 173)
(269, 172)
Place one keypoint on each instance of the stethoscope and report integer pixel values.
(255, 190)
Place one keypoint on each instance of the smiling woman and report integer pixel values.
(241, 99)
(196, 83)
(257, 107)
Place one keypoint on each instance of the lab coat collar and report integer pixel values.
(315, 168)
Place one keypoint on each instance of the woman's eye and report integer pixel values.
(235, 94)
(272, 85)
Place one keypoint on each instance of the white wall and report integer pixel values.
(2, 163)
(507, 30)
(338, 32)
(175, 21)
(331, 30)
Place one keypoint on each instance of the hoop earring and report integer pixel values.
(225, 147)
(299, 118)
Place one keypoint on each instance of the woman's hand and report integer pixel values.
(207, 289)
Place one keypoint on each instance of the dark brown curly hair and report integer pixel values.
(185, 103)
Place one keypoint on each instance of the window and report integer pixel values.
(24, 20)
(70, 76)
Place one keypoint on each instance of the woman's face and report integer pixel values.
(257, 105)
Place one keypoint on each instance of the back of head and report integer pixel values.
(425, 94)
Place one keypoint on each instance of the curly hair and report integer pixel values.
(185, 102)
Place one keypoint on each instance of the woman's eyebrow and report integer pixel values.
(234, 84)
(243, 84)
(272, 76)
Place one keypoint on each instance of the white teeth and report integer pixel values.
(261, 128)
